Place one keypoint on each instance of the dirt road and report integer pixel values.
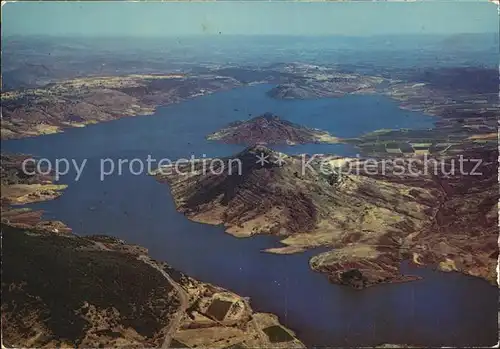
(183, 298)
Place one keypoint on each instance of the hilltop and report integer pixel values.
(269, 128)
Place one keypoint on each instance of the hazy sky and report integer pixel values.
(295, 18)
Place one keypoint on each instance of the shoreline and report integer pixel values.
(213, 213)
(298, 249)
(191, 321)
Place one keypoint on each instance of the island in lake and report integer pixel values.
(270, 129)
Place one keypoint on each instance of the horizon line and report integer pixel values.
(72, 35)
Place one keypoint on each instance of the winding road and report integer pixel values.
(183, 298)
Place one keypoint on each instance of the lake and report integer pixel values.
(442, 309)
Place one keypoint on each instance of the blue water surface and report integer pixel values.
(442, 309)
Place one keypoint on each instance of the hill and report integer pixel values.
(270, 129)
(372, 220)
(65, 290)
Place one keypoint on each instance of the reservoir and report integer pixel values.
(442, 309)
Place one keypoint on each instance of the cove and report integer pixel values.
(442, 309)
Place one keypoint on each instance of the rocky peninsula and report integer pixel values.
(19, 188)
(371, 221)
